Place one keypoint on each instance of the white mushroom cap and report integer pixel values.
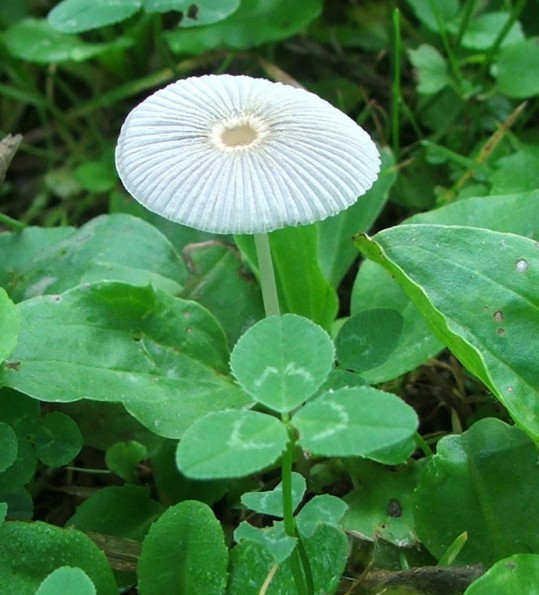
(234, 154)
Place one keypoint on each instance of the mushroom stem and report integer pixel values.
(267, 275)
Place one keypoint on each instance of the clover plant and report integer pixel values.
(319, 371)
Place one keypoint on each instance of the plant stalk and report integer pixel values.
(396, 86)
(267, 275)
(299, 560)
(11, 223)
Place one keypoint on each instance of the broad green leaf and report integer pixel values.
(517, 69)
(339, 378)
(21, 414)
(8, 446)
(220, 282)
(395, 454)
(18, 250)
(163, 358)
(336, 250)
(516, 574)
(46, 548)
(230, 444)
(58, 439)
(67, 579)
(96, 176)
(110, 247)
(301, 284)
(271, 501)
(469, 485)
(478, 291)
(375, 288)
(172, 486)
(354, 422)
(282, 360)
(122, 458)
(255, 22)
(184, 552)
(9, 325)
(77, 16)
(205, 12)
(273, 539)
(381, 506)
(431, 69)
(483, 30)
(367, 339)
(104, 424)
(517, 173)
(121, 511)
(35, 41)
(19, 502)
(327, 550)
(322, 509)
(435, 14)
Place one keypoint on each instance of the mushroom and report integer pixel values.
(235, 154)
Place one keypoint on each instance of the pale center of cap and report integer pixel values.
(238, 133)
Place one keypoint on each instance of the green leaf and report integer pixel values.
(354, 422)
(3, 512)
(230, 444)
(219, 281)
(110, 247)
(255, 22)
(302, 287)
(271, 501)
(381, 506)
(282, 360)
(9, 325)
(469, 485)
(336, 251)
(376, 288)
(485, 308)
(431, 69)
(9, 446)
(435, 14)
(77, 16)
(18, 250)
(29, 552)
(172, 486)
(66, 579)
(517, 173)
(516, 574)
(517, 69)
(21, 414)
(483, 30)
(121, 511)
(206, 12)
(122, 458)
(251, 563)
(273, 539)
(35, 41)
(96, 176)
(367, 339)
(322, 509)
(58, 439)
(164, 358)
(184, 552)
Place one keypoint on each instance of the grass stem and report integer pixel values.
(396, 86)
